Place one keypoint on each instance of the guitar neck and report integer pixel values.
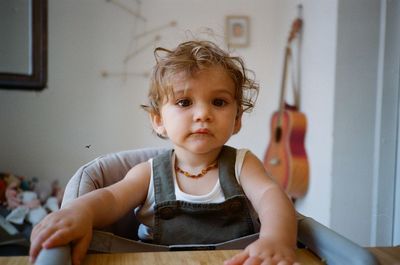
(283, 85)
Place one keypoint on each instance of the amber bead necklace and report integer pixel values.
(202, 172)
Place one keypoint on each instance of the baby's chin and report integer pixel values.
(202, 145)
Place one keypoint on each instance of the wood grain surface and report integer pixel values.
(164, 258)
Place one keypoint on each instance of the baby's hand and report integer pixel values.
(264, 251)
(61, 228)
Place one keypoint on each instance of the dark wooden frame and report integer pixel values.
(38, 79)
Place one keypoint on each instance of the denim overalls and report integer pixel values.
(181, 222)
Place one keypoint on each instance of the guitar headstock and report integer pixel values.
(296, 27)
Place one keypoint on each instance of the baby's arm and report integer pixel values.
(277, 241)
(74, 222)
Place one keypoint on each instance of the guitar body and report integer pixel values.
(286, 158)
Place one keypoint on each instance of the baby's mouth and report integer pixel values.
(202, 131)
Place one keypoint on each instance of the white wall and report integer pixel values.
(355, 115)
(318, 84)
(44, 134)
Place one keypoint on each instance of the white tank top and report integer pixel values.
(145, 212)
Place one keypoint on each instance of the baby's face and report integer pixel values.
(202, 113)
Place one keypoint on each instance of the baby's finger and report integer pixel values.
(284, 262)
(253, 261)
(34, 251)
(58, 238)
(35, 231)
(39, 235)
(237, 259)
(80, 249)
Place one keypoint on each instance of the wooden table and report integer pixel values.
(385, 255)
(164, 258)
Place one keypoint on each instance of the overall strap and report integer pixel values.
(227, 176)
(163, 180)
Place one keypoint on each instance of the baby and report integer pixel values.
(201, 191)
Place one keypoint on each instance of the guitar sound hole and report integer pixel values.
(278, 134)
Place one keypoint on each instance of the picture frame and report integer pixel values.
(32, 76)
(237, 31)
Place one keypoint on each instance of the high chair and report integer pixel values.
(329, 246)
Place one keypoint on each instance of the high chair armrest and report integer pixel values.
(330, 246)
(58, 255)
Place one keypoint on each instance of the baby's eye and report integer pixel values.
(184, 102)
(219, 102)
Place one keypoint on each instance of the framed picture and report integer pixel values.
(237, 31)
(23, 50)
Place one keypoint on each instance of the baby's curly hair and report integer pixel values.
(189, 58)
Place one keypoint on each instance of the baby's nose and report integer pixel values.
(202, 113)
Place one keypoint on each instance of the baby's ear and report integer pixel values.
(238, 123)
(158, 125)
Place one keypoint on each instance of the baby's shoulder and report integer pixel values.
(140, 171)
(250, 162)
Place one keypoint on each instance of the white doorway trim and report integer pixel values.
(386, 216)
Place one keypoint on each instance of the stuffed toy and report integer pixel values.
(28, 199)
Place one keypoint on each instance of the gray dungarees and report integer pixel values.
(181, 222)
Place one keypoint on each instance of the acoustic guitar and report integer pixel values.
(286, 158)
